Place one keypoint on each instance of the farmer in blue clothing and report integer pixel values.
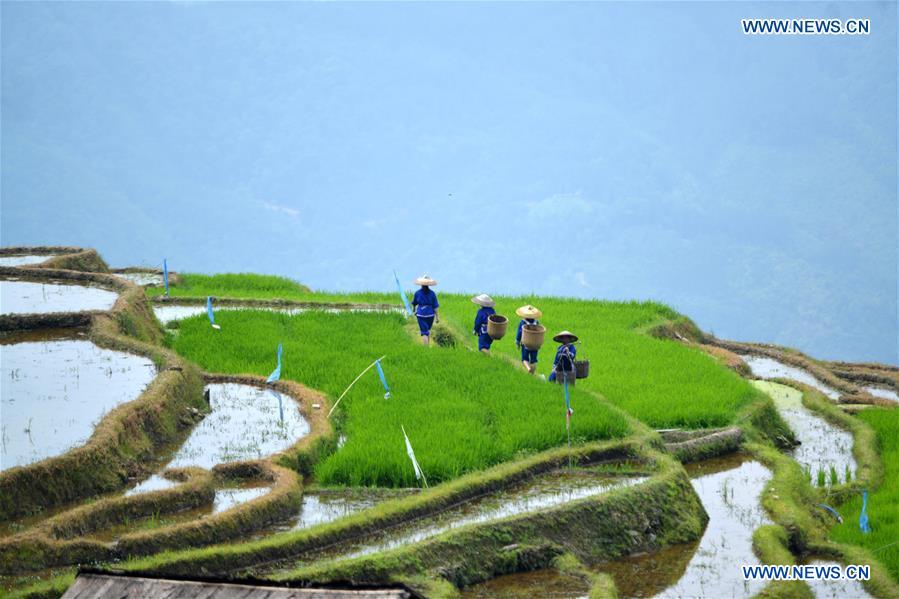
(480, 321)
(425, 304)
(529, 315)
(563, 365)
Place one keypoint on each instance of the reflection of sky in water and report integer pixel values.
(154, 483)
(225, 499)
(822, 445)
(245, 424)
(884, 393)
(25, 297)
(836, 589)
(142, 278)
(54, 392)
(732, 500)
(769, 368)
(22, 260)
(543, 492)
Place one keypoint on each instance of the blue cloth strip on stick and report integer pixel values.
(209, 311)
(165, 275)
(383, 379)
(402, 294)
(863, 517)
(276, 373)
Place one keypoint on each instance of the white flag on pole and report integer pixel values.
(419, 475)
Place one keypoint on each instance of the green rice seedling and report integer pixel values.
(462, 412)
(883, 514)
(834, 477)
(242, 285)
(808, 473)
(822, 477)
(848, 473)
(664, 383)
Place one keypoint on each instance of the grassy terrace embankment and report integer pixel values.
(661, 383)
(462, 412)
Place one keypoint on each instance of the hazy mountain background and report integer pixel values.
(645, 150)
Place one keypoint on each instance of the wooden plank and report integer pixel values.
(97, 586)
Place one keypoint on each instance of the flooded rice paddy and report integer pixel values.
(835, 589)
(55, 387)
(323, 506)
(550, 490)
(23, 259)
(154, 483)
(769, 368)
(144, 279)
(26, 297)
(246, 423)
(730, 490)
(823, 446)
(883, 393)
(225, 499)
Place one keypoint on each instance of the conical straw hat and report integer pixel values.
(529, 311)
(484, 300)
(565, 337)
(426, 281)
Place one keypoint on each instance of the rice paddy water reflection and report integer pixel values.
(26, 297)
(246, 423)
(55, 388)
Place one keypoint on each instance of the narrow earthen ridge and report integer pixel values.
(226, 559)
(53, 543)
(792, 357)
(694, 447)
(883, 376)
(57, 541)
(65, 539)
(174, 278)
(131, 434)
(281, 502)
(275, 303)
(60, 257)
(657, 512)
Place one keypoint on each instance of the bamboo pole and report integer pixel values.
(355, 380)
